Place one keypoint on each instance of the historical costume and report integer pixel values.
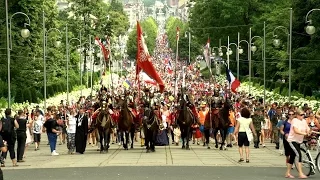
(81, 131)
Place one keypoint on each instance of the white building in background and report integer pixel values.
(135, 11)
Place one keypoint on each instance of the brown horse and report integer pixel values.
(184, 121)
(151, 128)
(217, 120)
(104, 124)
(126, 124)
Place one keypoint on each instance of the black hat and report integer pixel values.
(103, 88)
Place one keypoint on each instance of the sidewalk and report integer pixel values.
(164, 156)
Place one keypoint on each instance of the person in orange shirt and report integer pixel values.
(230, 135)
(202, 117)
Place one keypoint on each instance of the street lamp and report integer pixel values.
(45, 42)
(241, 52)
(25, 33)
(310, 29)
(276, 42)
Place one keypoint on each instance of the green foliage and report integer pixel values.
(150, 29)
(87, 17)
(219, 19)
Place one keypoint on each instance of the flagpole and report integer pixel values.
(175, 64)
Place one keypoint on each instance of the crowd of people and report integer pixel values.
(285, 125)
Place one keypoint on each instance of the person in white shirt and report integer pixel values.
(71, 132)
(37, 129)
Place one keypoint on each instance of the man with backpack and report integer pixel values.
(8, 134)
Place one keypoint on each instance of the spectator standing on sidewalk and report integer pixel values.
(9, 135)
(21, 135)
(51, 127)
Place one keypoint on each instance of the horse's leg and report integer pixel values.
(183, 136)
(153, 139)
(123, 138)
(106, 139)
(188, 137)
(101, 139)
(132, 134)
(148, 140)
(223, 133)
(215, 132)
(127, 139)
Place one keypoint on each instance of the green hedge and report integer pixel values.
(34, 94)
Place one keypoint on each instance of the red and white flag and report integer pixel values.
(233, 81)
(144, 60)
(103, 48)
(169, 67)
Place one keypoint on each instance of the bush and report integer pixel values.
(19, 96)
(27, 95)
(307, 91)
(301, 88)
(50, 91)
(284, 92)
(272, 86)
(277, 90)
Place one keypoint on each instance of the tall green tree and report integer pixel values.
(150, 30)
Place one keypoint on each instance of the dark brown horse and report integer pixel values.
(217, 120)
(150, 127)
(104, 124)
(184, 121)
(126, 124)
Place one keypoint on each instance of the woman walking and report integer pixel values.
(71, 132)
(244, 129)
(299, 128)
(284, 130)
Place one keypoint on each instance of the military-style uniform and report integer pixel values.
(257, 118)
(275, 131)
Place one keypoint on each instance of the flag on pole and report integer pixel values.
(103, 48)
(234, 83)
(144, 60)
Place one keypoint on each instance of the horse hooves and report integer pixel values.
(148, 151)
(208, 147)
(187, 148)
(126, 149)
(183, 147)
(131, 147)
(216, 146)
(153, 150)
(177, 144)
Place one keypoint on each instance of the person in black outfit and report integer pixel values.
(3, 149)
(8, 134)
(21, 135)
(81, 131)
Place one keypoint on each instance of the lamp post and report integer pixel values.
(45, 42)
(241, 52)
(277, 42)
(310, 29)
(253, 49)
(25, 33)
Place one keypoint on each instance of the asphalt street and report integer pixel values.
(153, 173)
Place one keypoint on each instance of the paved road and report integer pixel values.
(170, 162)
(164, 156)
(152, 173)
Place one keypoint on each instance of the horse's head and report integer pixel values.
(148, 113)
(104, 106)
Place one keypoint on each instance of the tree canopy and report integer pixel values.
(150, 30)
(87, 17)
(219, 19)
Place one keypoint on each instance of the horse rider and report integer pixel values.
(104, 99)
(193, 109)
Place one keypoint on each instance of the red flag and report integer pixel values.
(103, 48)
(144, 59)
